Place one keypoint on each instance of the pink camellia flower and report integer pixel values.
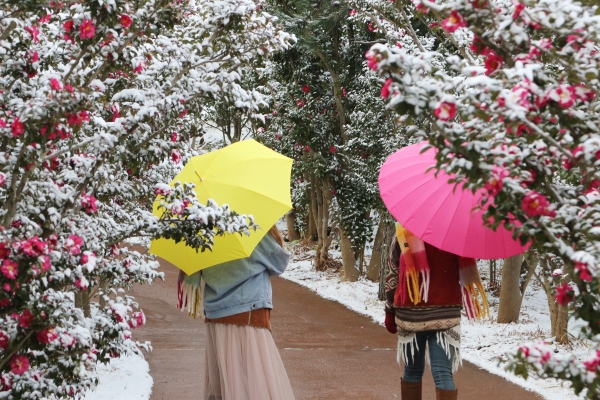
(584, 271)
(373, 61)
(592, 364)
(17, 127)
(301, 103)
(176, 156)
(45, 19)
(2, 123)
(33, 247)
(583, 93)
(81, 283)
(25, 319)
(183, 113)
(306, 88)
(454, 21)
(564, 95)
(174, 136)
(88, 258)
(445, 111)
(87, 29)
(137, 319)
(88, 202)
(45, 263)
(524, 350)
(34, 32)
(536, 204)
(73, 244)
(494, 185)
(10, 269)
(352, 12)
(177, 208)
(563, 297)
(69, 88)
(385, 90)
(115, 250)
(55, 84)
(2, 179)
(125, 21)
(493, 62)
(162, 190)
(46, 336)
(19, 364)
(67, 340)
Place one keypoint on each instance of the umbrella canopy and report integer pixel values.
(251, 179)
(433, 210)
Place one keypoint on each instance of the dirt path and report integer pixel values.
(329, 351)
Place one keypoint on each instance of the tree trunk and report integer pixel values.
(510, 290)
(349, 261)
(389, 233)
(375, 262)
(290, 220)
(560, 325)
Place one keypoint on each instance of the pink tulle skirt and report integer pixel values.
(242, 363)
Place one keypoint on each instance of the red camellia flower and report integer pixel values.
(47, 335)
(139, 68)
(564, 95)
(137, 319)
(583, 271)
(301, 103)
(19, 364)
(17, 127)
(73, 244)
(176, 156)
(536, 204)
(4, 339)
(125, 21)
(25, 319)
(493, 62)
(563, 297)
(87, 29)
(306, 88)
(445, 111)
(385, 90)
(68, 25)
(519, 7)
(174, 137)
(454, 21)
(372, 61)
(333, 149)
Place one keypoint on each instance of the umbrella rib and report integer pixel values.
(250, 190)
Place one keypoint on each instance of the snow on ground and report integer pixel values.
(125, 378)
(482, 342)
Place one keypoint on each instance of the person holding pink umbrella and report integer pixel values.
(432, 269)
(425, 290)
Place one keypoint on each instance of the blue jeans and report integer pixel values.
(441, 365)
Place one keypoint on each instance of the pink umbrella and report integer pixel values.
(437, 213)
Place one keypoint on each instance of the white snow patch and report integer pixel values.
(483, 343)
(124, 378)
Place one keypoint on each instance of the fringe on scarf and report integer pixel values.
(189, 294)
(448, 339)
(472, 290)
(415, 258)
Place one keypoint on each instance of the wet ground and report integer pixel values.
(329, 351)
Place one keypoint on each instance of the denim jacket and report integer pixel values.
(243, 285)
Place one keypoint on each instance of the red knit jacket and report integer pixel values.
(444, 287)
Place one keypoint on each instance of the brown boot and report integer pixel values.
(441, 394)
(410, 390)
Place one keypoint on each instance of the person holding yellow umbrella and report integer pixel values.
(234, 295)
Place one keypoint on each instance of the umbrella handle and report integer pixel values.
(199, 177)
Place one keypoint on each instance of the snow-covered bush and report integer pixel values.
(97, 101)
(515, 110)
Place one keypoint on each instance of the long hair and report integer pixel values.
(276, 235)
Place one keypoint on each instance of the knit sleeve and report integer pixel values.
(391, 279)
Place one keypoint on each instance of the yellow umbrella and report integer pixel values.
(251, 179)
